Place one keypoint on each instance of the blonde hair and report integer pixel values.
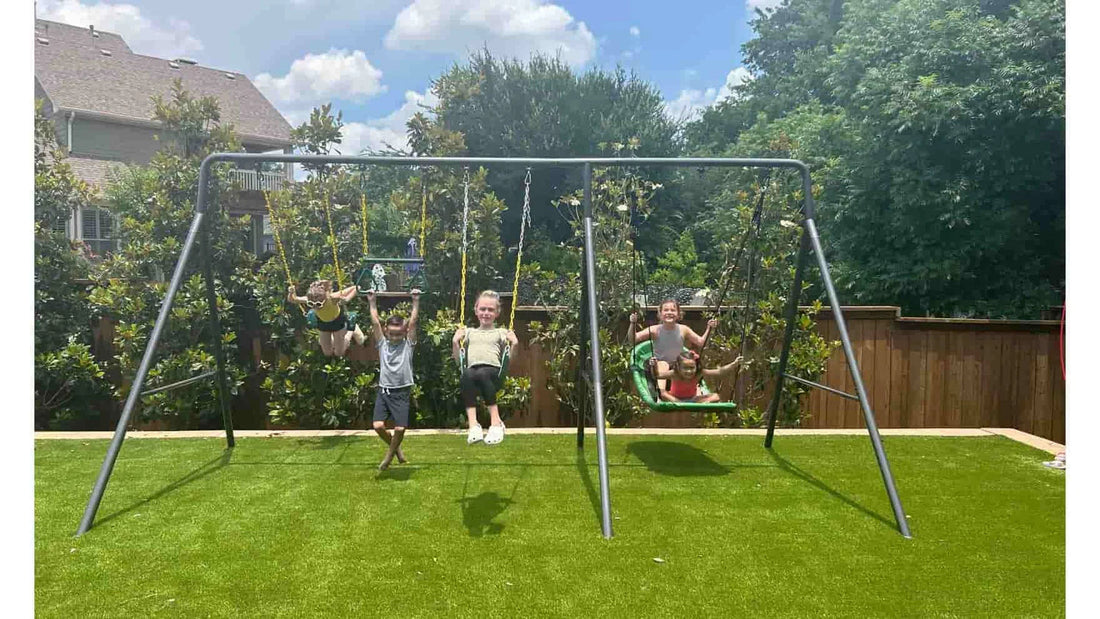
(489, 294)
(318, 290)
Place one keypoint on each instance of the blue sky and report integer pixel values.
(375, 60)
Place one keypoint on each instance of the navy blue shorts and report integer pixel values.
(393, 404)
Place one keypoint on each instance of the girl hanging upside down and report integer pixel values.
(685, 375)
(332, 320)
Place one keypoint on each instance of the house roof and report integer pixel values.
(77, 75)
(95, 172)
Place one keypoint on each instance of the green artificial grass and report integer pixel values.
(308, 527)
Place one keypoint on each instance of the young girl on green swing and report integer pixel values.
(332, 319)
(685, 375)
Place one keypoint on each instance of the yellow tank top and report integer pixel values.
(329, 311)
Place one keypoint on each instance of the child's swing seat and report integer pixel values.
(352, 317)
(505, 359)
(639, 359)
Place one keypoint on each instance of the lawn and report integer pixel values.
(308, 527)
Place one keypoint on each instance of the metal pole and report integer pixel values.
(582, 358)
(215, 326)
(853, 367)
(792, 301)
(594, 336)
(788, 336)
(135, 387)
(178, 384)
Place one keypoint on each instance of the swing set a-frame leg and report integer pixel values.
(810, 241)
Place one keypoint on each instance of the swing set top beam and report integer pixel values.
(530, 162)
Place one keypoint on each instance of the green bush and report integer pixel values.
(69, 387)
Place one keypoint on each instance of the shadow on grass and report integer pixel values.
(675, 459)
(212, 466)
(479, 512)
(589, 487)
(398, 472)
(786, 466)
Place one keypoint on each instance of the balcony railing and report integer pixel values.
(251, 180)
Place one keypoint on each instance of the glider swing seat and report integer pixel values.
(640, 357)
(646, 385)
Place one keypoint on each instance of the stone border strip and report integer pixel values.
(1010, 433)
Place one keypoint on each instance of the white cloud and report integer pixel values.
(692, 102)
(386, 131)
(763, 5)
(141, 34)
(335, 74)
(634, 32)
(516, 28)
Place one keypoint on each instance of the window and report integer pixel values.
(260, 240)
(97, 230)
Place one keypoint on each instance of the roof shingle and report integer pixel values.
(76, 74)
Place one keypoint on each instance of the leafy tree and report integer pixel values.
(541, 108)
(155, 206)
(936, 130)
(70, 388)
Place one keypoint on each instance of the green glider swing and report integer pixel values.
(640, 356)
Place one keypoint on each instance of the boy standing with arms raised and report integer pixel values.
(395, 375)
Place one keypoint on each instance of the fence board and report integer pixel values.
(1025, 383)
(955, 366)
(1058, 417)
(1041, 415)
(990, 361)
(937, 383)
(852, 412)
(880, 378)
(899, 377)
(972, 380)
(918, 379)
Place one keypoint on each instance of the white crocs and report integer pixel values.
(495, 435)
(474, 435)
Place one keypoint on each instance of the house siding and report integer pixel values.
(114, 141)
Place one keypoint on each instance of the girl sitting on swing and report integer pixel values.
(486, 346)
(332, 321)
(685, 375)
(670, 337)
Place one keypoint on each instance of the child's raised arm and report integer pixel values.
(725, 369)
(293, 298)
(694, 338)
(414, 315)
(375, 322)
(633, 334)
(347, 294)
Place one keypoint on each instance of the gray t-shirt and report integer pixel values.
(395, 364)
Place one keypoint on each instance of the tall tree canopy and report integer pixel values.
(541, 108)
(937, 133)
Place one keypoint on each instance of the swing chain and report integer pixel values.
(524, 221)
(465, 226)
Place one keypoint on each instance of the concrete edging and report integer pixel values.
(1010, 433)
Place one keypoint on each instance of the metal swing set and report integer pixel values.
(589, 354)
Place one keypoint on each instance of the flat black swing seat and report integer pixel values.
(639, 357)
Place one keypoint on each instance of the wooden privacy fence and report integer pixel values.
(918, 373)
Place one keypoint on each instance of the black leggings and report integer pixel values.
(479, 380)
